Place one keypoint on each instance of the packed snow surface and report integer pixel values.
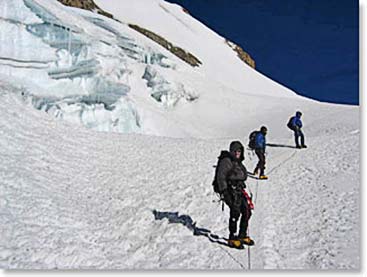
(74, 198)
(139, 195)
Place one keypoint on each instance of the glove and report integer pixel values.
(226, 197)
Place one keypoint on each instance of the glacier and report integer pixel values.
(108, 141)
(81, 74)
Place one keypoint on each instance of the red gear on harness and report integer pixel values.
(249, 200)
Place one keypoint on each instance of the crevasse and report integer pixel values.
(79, 75)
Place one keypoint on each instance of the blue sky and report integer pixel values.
(310, 46)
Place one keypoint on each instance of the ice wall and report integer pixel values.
(78, 66)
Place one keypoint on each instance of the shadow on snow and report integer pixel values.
(280, 145)
(186, 220)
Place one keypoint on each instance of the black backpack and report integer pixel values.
(290, 123)
(252, 139)
(223, 154)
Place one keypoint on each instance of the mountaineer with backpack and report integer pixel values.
(229, 182)
(295, 124)
(258, 143)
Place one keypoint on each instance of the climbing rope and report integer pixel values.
(256, 190)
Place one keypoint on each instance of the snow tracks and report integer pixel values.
(307, 214)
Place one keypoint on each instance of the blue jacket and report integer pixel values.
(297, 122)
(260, 141)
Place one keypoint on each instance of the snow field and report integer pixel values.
(85, 200)
(73, 198)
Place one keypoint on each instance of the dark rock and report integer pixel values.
(86, 5)
(241, 54)
(179, 52)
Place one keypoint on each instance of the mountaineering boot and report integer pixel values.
(304, 146)
(298, 147)
(247, 241)
(263, 177)
(256, 171)
(235, 243)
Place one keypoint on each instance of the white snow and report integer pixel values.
(84, 199)
(220, 62)
(128, 198)
(65, 55)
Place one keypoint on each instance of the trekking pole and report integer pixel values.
(248, 250)
(257, 185)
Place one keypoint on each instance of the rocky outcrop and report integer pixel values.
(179, 52)
(241, 53)
(185, 10)
(86, 5)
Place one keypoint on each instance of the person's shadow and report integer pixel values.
(280, 145)
(186, 220)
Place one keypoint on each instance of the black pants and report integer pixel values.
(239, 209)
(260, 153)
(298, 133)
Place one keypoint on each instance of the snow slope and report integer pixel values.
(88, 200)
(74, 198)
(220, 62)
(94, 71)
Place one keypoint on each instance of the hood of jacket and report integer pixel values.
(236, 145)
